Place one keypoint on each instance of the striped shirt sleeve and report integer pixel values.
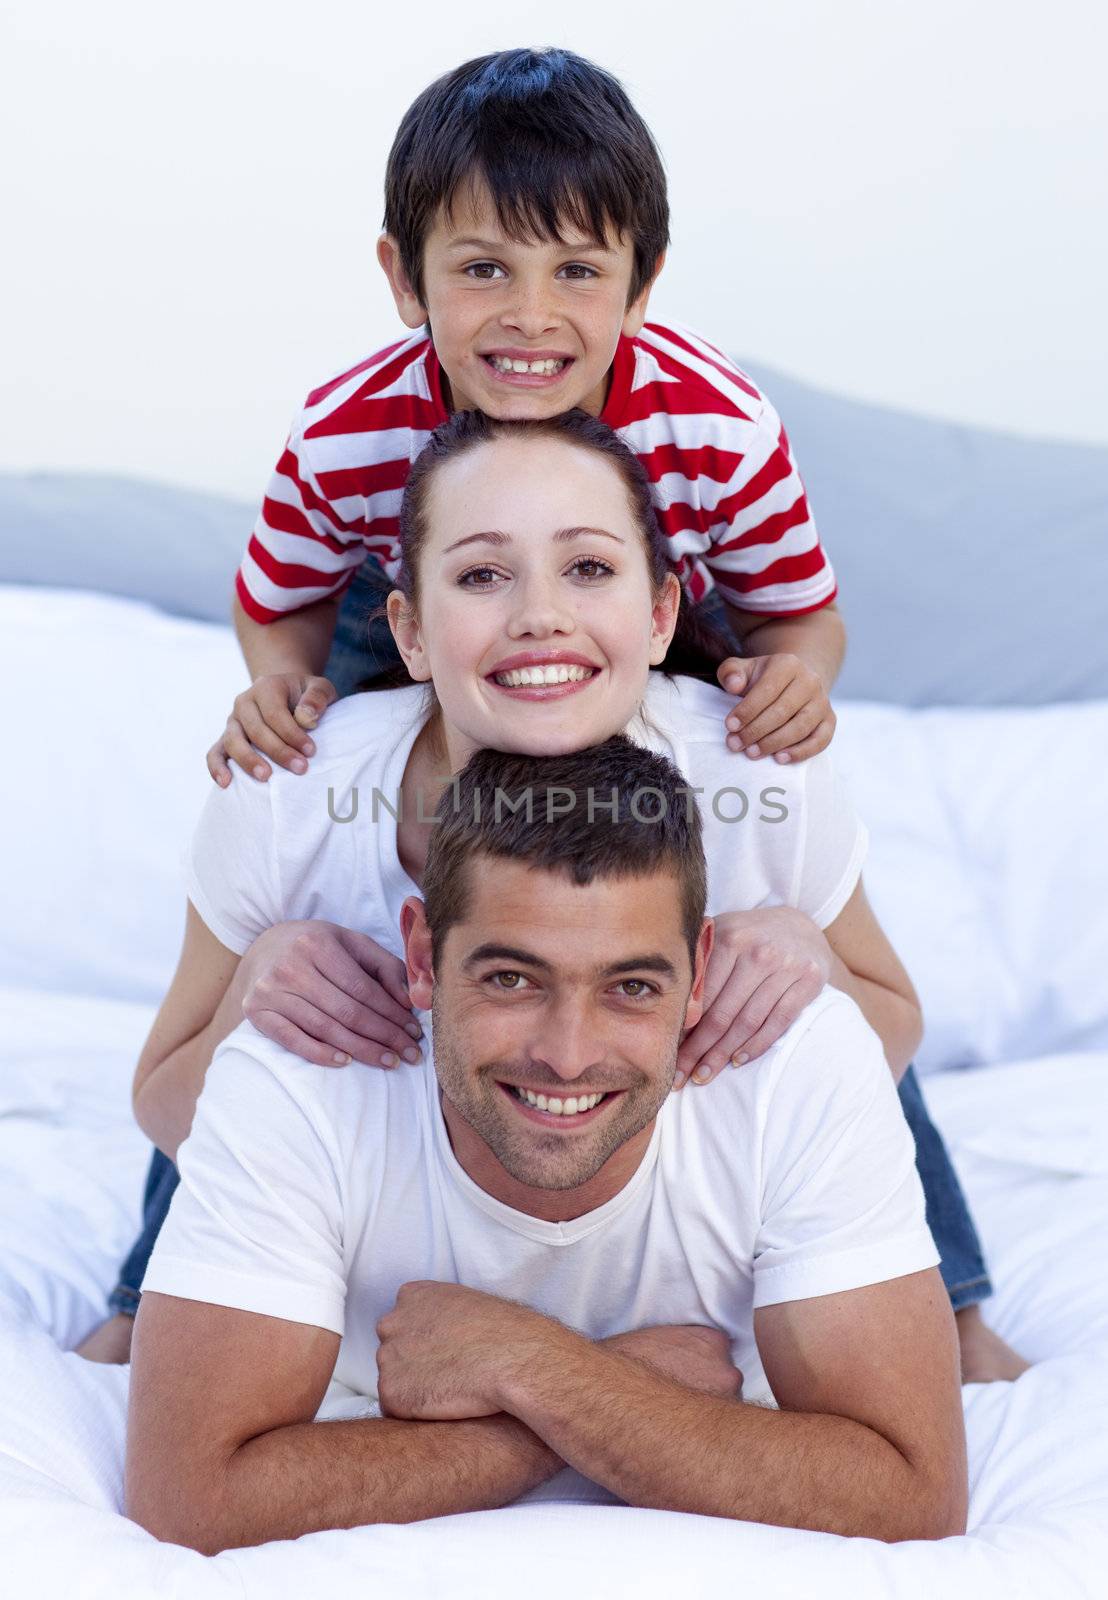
(301, 550)
(730, 497)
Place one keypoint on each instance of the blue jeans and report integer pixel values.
(363, 647)
(962, 1267)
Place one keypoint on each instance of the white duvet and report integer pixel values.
(990, 867)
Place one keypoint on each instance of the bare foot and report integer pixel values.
(110, 1342)
(985, 1356)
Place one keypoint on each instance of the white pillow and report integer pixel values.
(988, 867)
(988, 861)
(111, 708)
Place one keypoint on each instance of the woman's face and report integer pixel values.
(533, 560)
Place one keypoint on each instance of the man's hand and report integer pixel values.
(784, 710)
(444, 1350)
(269, 719)
(330, 995)
(697, 1356)
(765, 967)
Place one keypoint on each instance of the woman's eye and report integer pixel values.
(600, 569)
(484, 576)
(483, 269)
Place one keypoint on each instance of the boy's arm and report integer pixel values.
(297, 643)
(818, 638)
(785, 676)
(287, 692)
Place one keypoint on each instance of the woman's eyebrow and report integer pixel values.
(563, 535)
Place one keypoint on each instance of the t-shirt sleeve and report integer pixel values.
(833, 846)
(301, 549)
(765, 553)
(842, 1205)
(230, 864)
(256, 1222)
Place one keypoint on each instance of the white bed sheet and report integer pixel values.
(989, 867)
(1030, 1140)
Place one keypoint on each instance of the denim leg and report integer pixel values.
(363, 645)
(161, 1181)
(963, 1264)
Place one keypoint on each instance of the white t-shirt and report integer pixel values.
(272, 852)
(313, 1194)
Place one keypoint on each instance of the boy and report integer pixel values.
(526, 221)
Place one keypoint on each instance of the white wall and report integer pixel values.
(902, 202)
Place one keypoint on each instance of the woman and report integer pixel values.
(523, 542)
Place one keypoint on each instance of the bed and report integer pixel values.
(989, 865)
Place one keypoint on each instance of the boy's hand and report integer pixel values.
(785, 711)
(330, 994)
(269, 719)
(765, 967)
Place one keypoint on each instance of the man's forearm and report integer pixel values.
(317, 1475)
(300, 642)
(657, 1444)
(817, 638)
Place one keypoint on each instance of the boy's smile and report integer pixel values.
(521, 329)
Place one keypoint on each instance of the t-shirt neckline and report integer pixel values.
(553, 1233)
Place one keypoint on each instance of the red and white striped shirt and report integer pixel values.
(726, 489)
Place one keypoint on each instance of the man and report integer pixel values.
(537, 1256)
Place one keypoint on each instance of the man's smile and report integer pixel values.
(563, 1111)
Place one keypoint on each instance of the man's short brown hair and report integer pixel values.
(613, 810)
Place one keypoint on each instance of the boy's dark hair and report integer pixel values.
(614, 810)
(556, 140)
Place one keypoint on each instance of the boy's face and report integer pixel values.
(493, 303)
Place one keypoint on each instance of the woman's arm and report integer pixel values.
(767, 965)
(203, 1005)
(327, 993)
(865, 966)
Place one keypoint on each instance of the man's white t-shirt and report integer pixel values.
(313, 1194)
(264, 853)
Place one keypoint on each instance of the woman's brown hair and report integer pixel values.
(698, 645)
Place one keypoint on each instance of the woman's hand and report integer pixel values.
(269, 719)
(765, 967)
(330, 995)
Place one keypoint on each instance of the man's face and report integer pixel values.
(493, 302)
(567, 992)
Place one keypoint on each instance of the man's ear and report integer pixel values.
(663, 620)
(635, 315)
(694, 1008)
(412, 313)
(417, 952)
(408, 636)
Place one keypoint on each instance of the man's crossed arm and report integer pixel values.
(485, 1398)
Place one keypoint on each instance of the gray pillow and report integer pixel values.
(972, 565)
(146, 541)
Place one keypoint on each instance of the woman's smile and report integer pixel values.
(543, 674)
